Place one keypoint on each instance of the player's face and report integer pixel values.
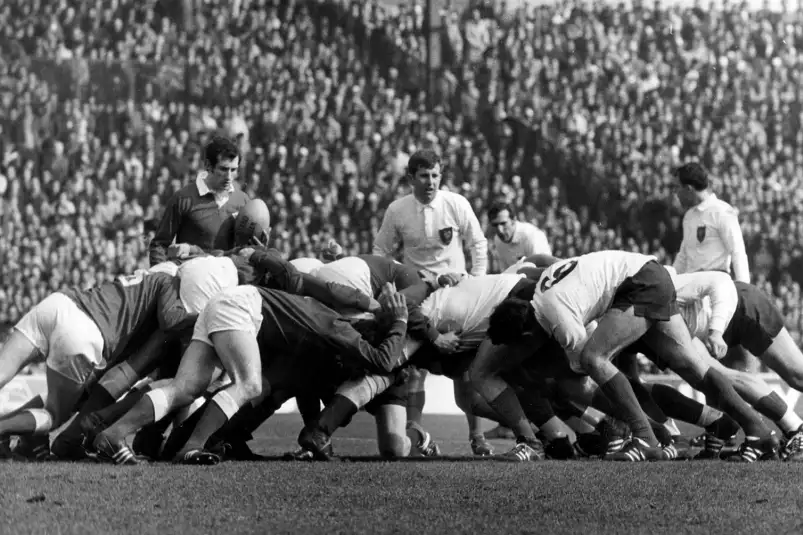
(686, 195)
(426, 183)
(223, 174)
(504, 225)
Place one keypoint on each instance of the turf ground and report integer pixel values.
(467, 496)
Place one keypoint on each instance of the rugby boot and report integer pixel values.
(524, 451)
(316, 441)
(793, 449)
(234, 450)
(148, 443)
(115, 452)
(69, 446)
(480, 446)
(637, 450)
(197, 457)
(32, 448)
(422, 442)
(615, 435)
(500, 432)
(712, 448)
(757, 449)
(589, 445)
(5, 448)
(561, 449)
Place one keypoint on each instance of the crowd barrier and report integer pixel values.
(440, 394)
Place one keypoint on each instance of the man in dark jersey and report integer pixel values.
(243, 329)
(202, 213)
(80, 332)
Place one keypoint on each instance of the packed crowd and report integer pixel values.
(320, 97)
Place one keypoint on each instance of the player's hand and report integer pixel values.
(447, 343)
(246, 252)
(450, 279)
(373, 306)
(429, 278)
(179, 250)
(716, 344)
(396, 305)
(388, 289)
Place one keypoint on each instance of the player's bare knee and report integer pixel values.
(250, 388)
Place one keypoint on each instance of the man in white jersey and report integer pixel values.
(632, 297)
(431, 226)
(513, 239)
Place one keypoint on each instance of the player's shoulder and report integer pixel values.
(718, 207)
(529, 229)
(453, 198)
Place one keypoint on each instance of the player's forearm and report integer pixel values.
(741, 267)
(157, 252)
(420, 327)
(390, 353)
(335, 295)
(479, 258)
(416, 293)
(283, 274)
(680, 261)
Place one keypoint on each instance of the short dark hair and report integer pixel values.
(693, 174)
(510, 320)
(220, 148)
(422, 159)
(499, 207)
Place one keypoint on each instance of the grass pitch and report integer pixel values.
(475, 496)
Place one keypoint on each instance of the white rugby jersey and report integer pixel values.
(574, 292)
(202, 278)
(433, 234)
(527, 240)
(707, 300)
(467, 307)
(349, 271)
(306, 265)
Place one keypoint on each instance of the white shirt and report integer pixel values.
(712, 239)
(204, 277)
(306, 265)
(350, 271)
(433, 234)
(467, 307)
(574, 292)
(706, 299)
(221, 197)
(527, 240)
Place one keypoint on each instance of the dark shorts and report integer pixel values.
(756, 322)
(549, 362)
(650, 292)
(453, 366)
(396, 394)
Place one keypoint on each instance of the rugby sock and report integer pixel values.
(181, 433)
(648, 404)
(35, 402)
(336, 413)
(28, 421)
(309, 407)
(775, 408)
(717, 387)
(537, 408)
(111, 413)
(619, 391)
(415, 406)
(512, 415)
(790, 422)
(221, 409)
(677, 405)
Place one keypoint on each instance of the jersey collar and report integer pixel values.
(203, 189)
(707, 202)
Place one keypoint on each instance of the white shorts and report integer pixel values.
(235, 309)
(66, 335)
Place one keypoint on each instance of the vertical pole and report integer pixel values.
(428, 33)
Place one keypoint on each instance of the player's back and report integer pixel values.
(202, 278)
(351, 271)
(584, 286)
(466, 307)
(123, 308)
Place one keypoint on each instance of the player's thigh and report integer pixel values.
(198, 367)
(63, 394)
(616, 330)
(785, 358)
(672, 346)
(238, 351)
(17, 352)
(391, 421)
(579, 389)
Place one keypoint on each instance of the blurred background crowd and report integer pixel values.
(575, 113)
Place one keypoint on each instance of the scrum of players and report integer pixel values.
(190, 357)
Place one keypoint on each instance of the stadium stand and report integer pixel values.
(105, 107)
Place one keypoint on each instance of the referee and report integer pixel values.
(431, 226)
(202, 213)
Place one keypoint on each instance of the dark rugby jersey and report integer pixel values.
(296, 325)
(385, 270)
(133, 306)
(196, 219)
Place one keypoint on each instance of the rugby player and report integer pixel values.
(432, 226)
(240, 329)
(81, 332)
(632, 297)
(202, 213)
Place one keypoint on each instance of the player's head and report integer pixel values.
(503, 220)
(513, 322)
(332, 251)
(424, 173)
(692, 182)
(222, 160)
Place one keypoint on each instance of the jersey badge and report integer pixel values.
(446, 235)
(701, 233)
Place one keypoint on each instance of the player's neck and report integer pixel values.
(703, 196)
